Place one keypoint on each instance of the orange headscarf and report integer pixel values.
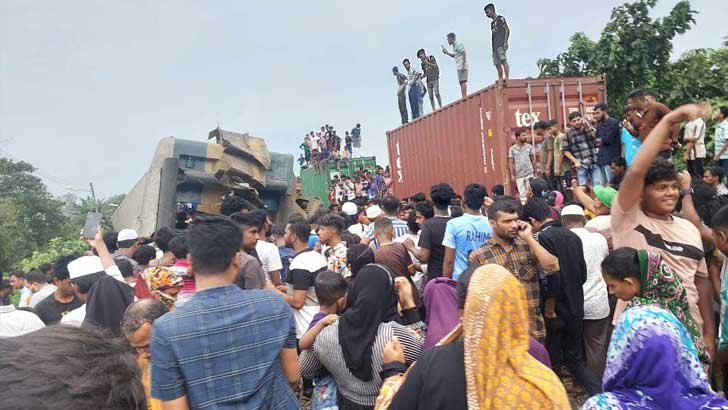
(499, 371)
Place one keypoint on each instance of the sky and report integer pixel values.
(88, 88)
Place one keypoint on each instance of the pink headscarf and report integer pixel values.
(441, 302)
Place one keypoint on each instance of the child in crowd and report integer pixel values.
(331, 288)
(521, 161)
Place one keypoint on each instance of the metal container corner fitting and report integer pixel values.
(467, 141)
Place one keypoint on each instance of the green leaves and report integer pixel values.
(55, 248)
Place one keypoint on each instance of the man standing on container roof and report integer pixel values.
(461, 62)
(401, 97)
(501, 33)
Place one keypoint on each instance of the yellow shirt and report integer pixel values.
(152, 404)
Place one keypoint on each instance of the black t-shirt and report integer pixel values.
(567, 286)
(498, 28)
(304, 268)
(431, 236)
(50, 311)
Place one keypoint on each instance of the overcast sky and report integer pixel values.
(87, 88)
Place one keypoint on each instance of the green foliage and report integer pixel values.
(30, 215)
(76, 208)
(56, 247)
(634, 51)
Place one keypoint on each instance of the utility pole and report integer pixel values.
(93, 195)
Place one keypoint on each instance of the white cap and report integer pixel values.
(572, 210)
(374, 212)
(349, 208)
(127, 235)
(85, 265)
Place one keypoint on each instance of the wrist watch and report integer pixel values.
(688, 191)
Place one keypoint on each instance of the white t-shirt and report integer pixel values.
(696, 129)
(270, 258)
(15, 322)
(596, 298)
(41, 294)
(304, 268)
(357, 229)
(601, 224)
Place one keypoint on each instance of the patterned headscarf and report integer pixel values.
(160, 279)
(653, 364)
(499, 371)
(661, 287)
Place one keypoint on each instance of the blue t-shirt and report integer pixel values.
(313, 240)
(465, 234)
(631, 145)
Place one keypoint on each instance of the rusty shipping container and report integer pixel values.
(467, 141)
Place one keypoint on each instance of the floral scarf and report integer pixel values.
(661, 287)
(652, 364)
(160, 279)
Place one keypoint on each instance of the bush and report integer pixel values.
(56, 247)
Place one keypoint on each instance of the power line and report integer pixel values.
(38, 171)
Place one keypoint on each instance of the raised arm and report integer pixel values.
(634, 181)
(548, 262)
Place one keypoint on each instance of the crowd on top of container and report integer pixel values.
(409, 82)
(327, 145)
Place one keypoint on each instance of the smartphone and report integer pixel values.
(92, 225)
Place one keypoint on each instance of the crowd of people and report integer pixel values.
(359, 188)
(326, 145)
(409, 83)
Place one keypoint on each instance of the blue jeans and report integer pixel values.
(606, 173)
(723, 163)
(582, 175)
(416, 98)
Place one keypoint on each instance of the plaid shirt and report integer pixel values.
(222, 348)
(521, 262)
(582, 146)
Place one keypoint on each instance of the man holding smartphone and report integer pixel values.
(581, 148)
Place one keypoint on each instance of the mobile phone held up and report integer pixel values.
(92, 225)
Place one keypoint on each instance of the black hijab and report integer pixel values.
(106, 303)
(371, 303)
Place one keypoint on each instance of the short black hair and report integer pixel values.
(720, 219)
(474, 196)
(456, 211)
(390, 204)
(636, 95)
(724, 110)
(110, 238)
(619, 162)
(536, 208)
(574, 115)
(125, 267)
(85, 282)
(108, 379)
(162, 237)
(710, 212)
(412, 224)
(350, 238)
(46, 268)
(127, 243)
(622, 263)
(520, 131)
(144, 254)
(451, 35)
(504, 205)
(213, 242)
(420, 51)
(406, 60)
(278, 229)
(261, 215)
(660, 170)
(233, 204)
(60, 265)
(418, 197)
(426, 209)
(246, 220)
(716, 171)
(36, 276)
(498, 190)
(18, 274)
(333, 221)
(463, 284)
(602, 107)
(441, 194)
(329, 287)
(178, 247)
(540, 125)
(301, 229)
(489, 6)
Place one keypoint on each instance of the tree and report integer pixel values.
(76, 208)
(633, 49)
(30, 215)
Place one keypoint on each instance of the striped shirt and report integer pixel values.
(221, 349)
(327, 353)
(400, 229)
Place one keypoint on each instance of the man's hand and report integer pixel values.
(98, 238)
(405, 292)
(488, 201)
(716, 158)
(577, 164)
(524, 230)
(684, 179)
(329, 319)
(444, 50)
(393, 352)
(685, 155)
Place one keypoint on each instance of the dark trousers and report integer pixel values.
(695, 168)
(595, 343)
(563, 183)
(402, 100)
(565, 344)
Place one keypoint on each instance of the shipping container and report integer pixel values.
(317, 184)
(467, 141)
